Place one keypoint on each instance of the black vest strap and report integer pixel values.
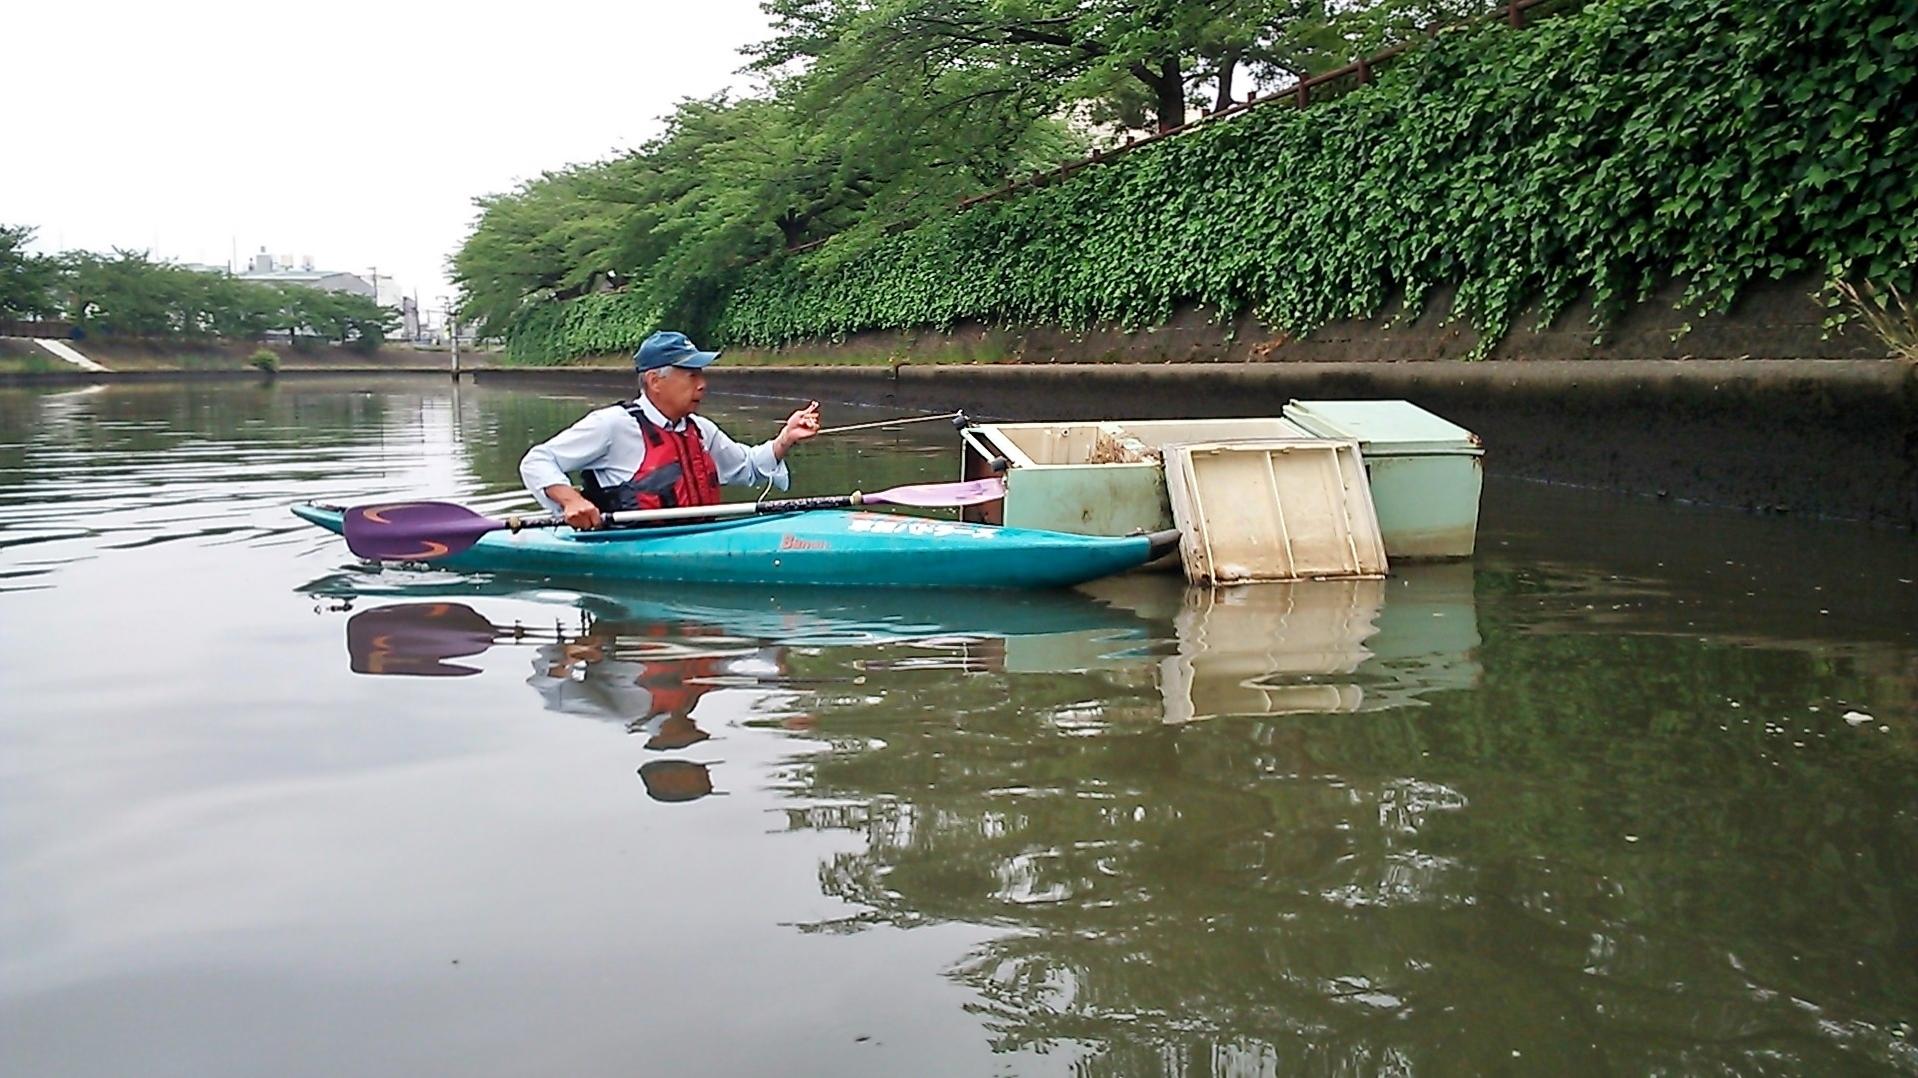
(646, 426)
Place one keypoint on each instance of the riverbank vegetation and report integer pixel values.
(126, 294)
(1889, 314)
(1600, 152)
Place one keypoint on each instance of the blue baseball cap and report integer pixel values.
(669, 349)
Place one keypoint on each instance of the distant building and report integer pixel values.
(267, 269)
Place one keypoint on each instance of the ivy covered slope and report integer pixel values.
(550, 333)
(1714, 142)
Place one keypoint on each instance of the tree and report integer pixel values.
(240, 310)
(336, 316)
(725, 183)
(27, 281)
(127, 294)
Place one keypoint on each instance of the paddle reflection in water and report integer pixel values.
(416, 639)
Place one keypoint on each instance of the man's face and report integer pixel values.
(676, 391)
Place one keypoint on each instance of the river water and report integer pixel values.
(1636, 790)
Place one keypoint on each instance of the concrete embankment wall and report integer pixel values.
(1772, 320)
(1830, 437)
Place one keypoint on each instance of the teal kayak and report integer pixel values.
(826, 548)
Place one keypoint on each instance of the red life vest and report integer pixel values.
(676, 471)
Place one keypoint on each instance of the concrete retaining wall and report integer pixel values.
(1773, 320)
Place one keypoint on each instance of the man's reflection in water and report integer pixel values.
(649, 677)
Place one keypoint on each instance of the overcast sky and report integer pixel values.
(356, 132)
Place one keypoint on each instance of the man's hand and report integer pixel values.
(800, 426)
(580, 513)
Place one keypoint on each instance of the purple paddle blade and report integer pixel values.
(941, 495)
(414, 531)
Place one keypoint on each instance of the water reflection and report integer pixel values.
(648, 676)
(1574, 872)
(417, 639)
(1634, 794)
(646, 663)
(971, 629)
(1310, 647)
(1319, 647)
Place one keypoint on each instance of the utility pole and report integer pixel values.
(453, 330)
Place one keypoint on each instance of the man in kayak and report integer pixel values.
(654, 451)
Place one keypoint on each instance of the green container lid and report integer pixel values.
(1385, 428)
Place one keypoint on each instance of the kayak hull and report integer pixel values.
(827, 548)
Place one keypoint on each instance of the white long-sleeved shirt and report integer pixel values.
(607, 442)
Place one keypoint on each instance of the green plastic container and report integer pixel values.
(1425, 472)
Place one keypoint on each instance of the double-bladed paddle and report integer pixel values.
(423, 531)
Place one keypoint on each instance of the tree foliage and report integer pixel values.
(726, 184)
(877, 113)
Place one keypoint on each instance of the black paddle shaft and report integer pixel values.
(796, 505)
(691, 512)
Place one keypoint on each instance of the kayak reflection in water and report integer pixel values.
(648, 678)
